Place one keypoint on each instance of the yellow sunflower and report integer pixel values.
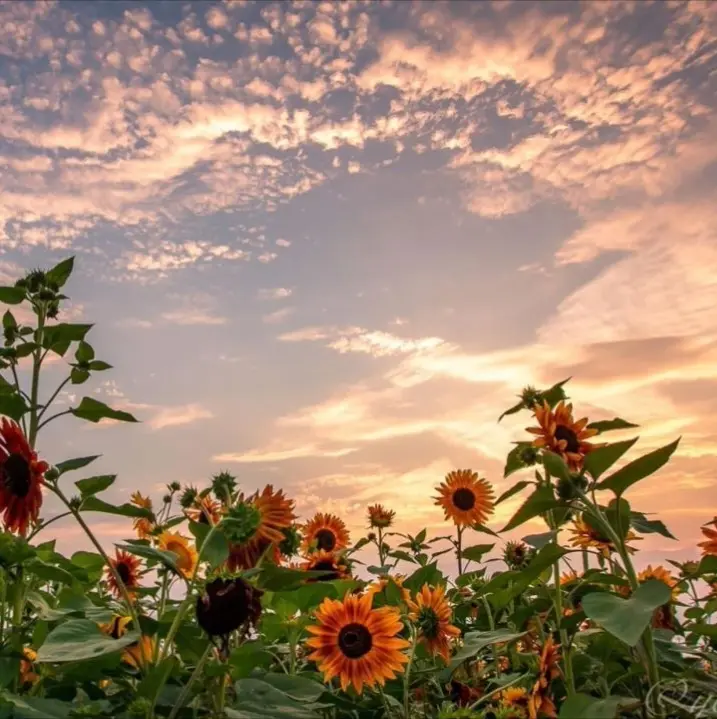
(137, 654)
(515, 699)
(142, 525)
(662, 575)
(539, 702)
(379, 517)
(356, 643)
(466, 499)
(586, 536)
(560, 433)
(187, 556)
(432, 614)
(27, 667)
(325, 532)
(329, 562)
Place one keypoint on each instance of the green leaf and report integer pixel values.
(95, 485)
(79, 376)
(609, 425)
(514, 460)
(59, 337)
(517, 487)
(168, 559)
(538, 503)
(13, 406)
(79, 639)
(513, 410)
(430, 574)
(643, 525)
(6, 387)
(540, 540)
(91, 562)
(638, 469)
(299, 688)
(217, 551)
(556, 393)
(273, 578)
(601, 459)
(627, 619)
(93, 411)
(555, 466)
(474, 642)
(25, 349)
(583, 706)
(70, 465)
(476, 552)
(402, 556)
(99, 366)
(85, 352)
(8, 320)
(618, 515)
(61, 272)
(246, 657)
(49, 572)
(12, 295)
(156, 678)
(27, 707)
(93, 504)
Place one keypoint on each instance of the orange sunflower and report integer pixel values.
(142, 525)
(187, 556)
(322, 561)
(356, 643)
(560, 433)
(379, 517)
(325, 532)
(570, 577)
(205, 511)
(136, 654)
(709, 546)
(398, 579)
(273, 513)
(539, 701)
(128, 568)
(21, 478)
(466, 499)
(432, 614)
(586, 536)
(27, 667)
(516, 700)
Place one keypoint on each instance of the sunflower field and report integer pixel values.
(222, 603)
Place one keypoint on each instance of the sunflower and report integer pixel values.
(27, 667)
(142, 525)
(356, 643)
(187, 556)
(128, 568)
(560, 433)
(227, 604)
(587, 536)
(136, 654)
(516, 699)
(381, 584)
(539, 701)
(517, 555)
(379, 517)
(325, 532)
(21, 478)
(466, 499)
(568, 578)
(139, 500)
(205, 511)
(662, 575)
(271, 512)
(709, 546)
(432, 614)
(329, 562)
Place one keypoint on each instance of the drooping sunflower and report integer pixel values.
(432, 615)
(379, 517)
(187, 555)
(128, 568)
(356, 643)
(709, 546)
(205, 511)
(466, 499)
(27, 667)
(226, 604)
(330, 562)
(539, 702)
(586, 536)
(265, 515)
(325, 532)
(22, 475)
(560, 433)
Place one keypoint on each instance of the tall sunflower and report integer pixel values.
(329, 562)
(266, 514)
(379, 517)
(432, 614)
(356, 643)
(539, 702)
(325, 532)
(128, 568)
(586, 536)
(560, 433)
(709, 546)
(187, 556)
(466, 499)
(22, 475)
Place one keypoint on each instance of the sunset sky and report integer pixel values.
(327, 244)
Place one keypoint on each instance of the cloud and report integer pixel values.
(278, 316)
(192, 317)
(275, 293)
(178, 416)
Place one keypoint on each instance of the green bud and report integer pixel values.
(52, 474)
(241, 522)
(174, 486)
(189, 497)
(291, 542)
(530, 397)
(223, 485)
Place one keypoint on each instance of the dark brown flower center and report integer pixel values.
(567, 434)
(326, 540)
(464, 499)
(124, 572)
(428, 622)
(355, 641)
(16, 475)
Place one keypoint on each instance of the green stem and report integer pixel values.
(13, 367)
(491, 624)
(501, 688)
(459, 548)
(188, 686)
(52, 398)
(381, 558)
(407, 676)
(47, 421)
(567, 653)
(586, 561)
(40, 527)
(35, 382)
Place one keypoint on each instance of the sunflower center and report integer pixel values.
(124, 572)
(464, 499)
(429, 623)
(571, 439)
(326, 540)
(17, 475)
(355, 641)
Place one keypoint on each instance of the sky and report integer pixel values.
(326, 244)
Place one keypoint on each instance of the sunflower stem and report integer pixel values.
(52, 398)
(381, 557)
(459, 548)
(188, 686)
(37, 358)
(407, 675)
(13, 367)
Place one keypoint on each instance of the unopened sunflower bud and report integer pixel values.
(75, 502)
(189, 497)
(174, 486)
(530, 397)
(291, 542)
(167, 498)
(52, 474)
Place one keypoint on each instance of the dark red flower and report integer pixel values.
(21, 479)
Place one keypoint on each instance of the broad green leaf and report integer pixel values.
(25, 349)
(430, 574)
(12, 295)
(618, 515)
(402, 556)
(79, 376)
(13, 406)
(627, 619)
(246, 657)
(608, 425)
(540, 540)
(79, 639)
(708, 565)
(476, 552)
(27, 707)
(6, 387)
(583, 706)
(93, 504)
(168, 559)
(91, 562)
(49, 572)
(156, 678)
(643, 525)
(93, 411)
(71, 465)
(59, 337)
(95, 485)
(61, 272)
(296, 687)
(8, 320)
(538, 503)
(217, 550)
(260, 697)
(99, 366)
(638, 469)
(85, 352)
(517, 487)
(598, 461)
(555, 466)
(474, 642)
